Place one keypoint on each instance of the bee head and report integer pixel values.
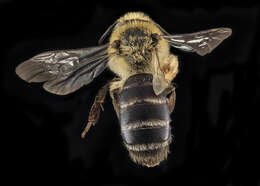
(136, 45)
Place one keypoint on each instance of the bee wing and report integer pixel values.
(202, 42)
(159, 81)
(64, 71)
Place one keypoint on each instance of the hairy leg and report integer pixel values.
(114, 91)
(95, 109)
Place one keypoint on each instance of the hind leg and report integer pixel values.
(95, 109)
(114, 91)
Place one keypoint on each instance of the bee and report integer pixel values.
(142, 92)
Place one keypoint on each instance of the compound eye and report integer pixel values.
(116, 44)
(155, 37)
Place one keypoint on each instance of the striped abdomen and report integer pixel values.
(144, 120)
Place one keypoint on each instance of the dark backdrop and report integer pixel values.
(214, 122)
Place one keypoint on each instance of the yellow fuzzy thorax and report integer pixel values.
(148, 26)
(117, 62)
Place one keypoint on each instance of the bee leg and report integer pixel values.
(114, 94)
(172, 97)
(114, 91)
(95, 109)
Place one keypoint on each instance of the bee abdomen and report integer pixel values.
(144, 120)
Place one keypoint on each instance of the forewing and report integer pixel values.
(64, 71)
(202, 42)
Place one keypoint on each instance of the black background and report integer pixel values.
(214, 122)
